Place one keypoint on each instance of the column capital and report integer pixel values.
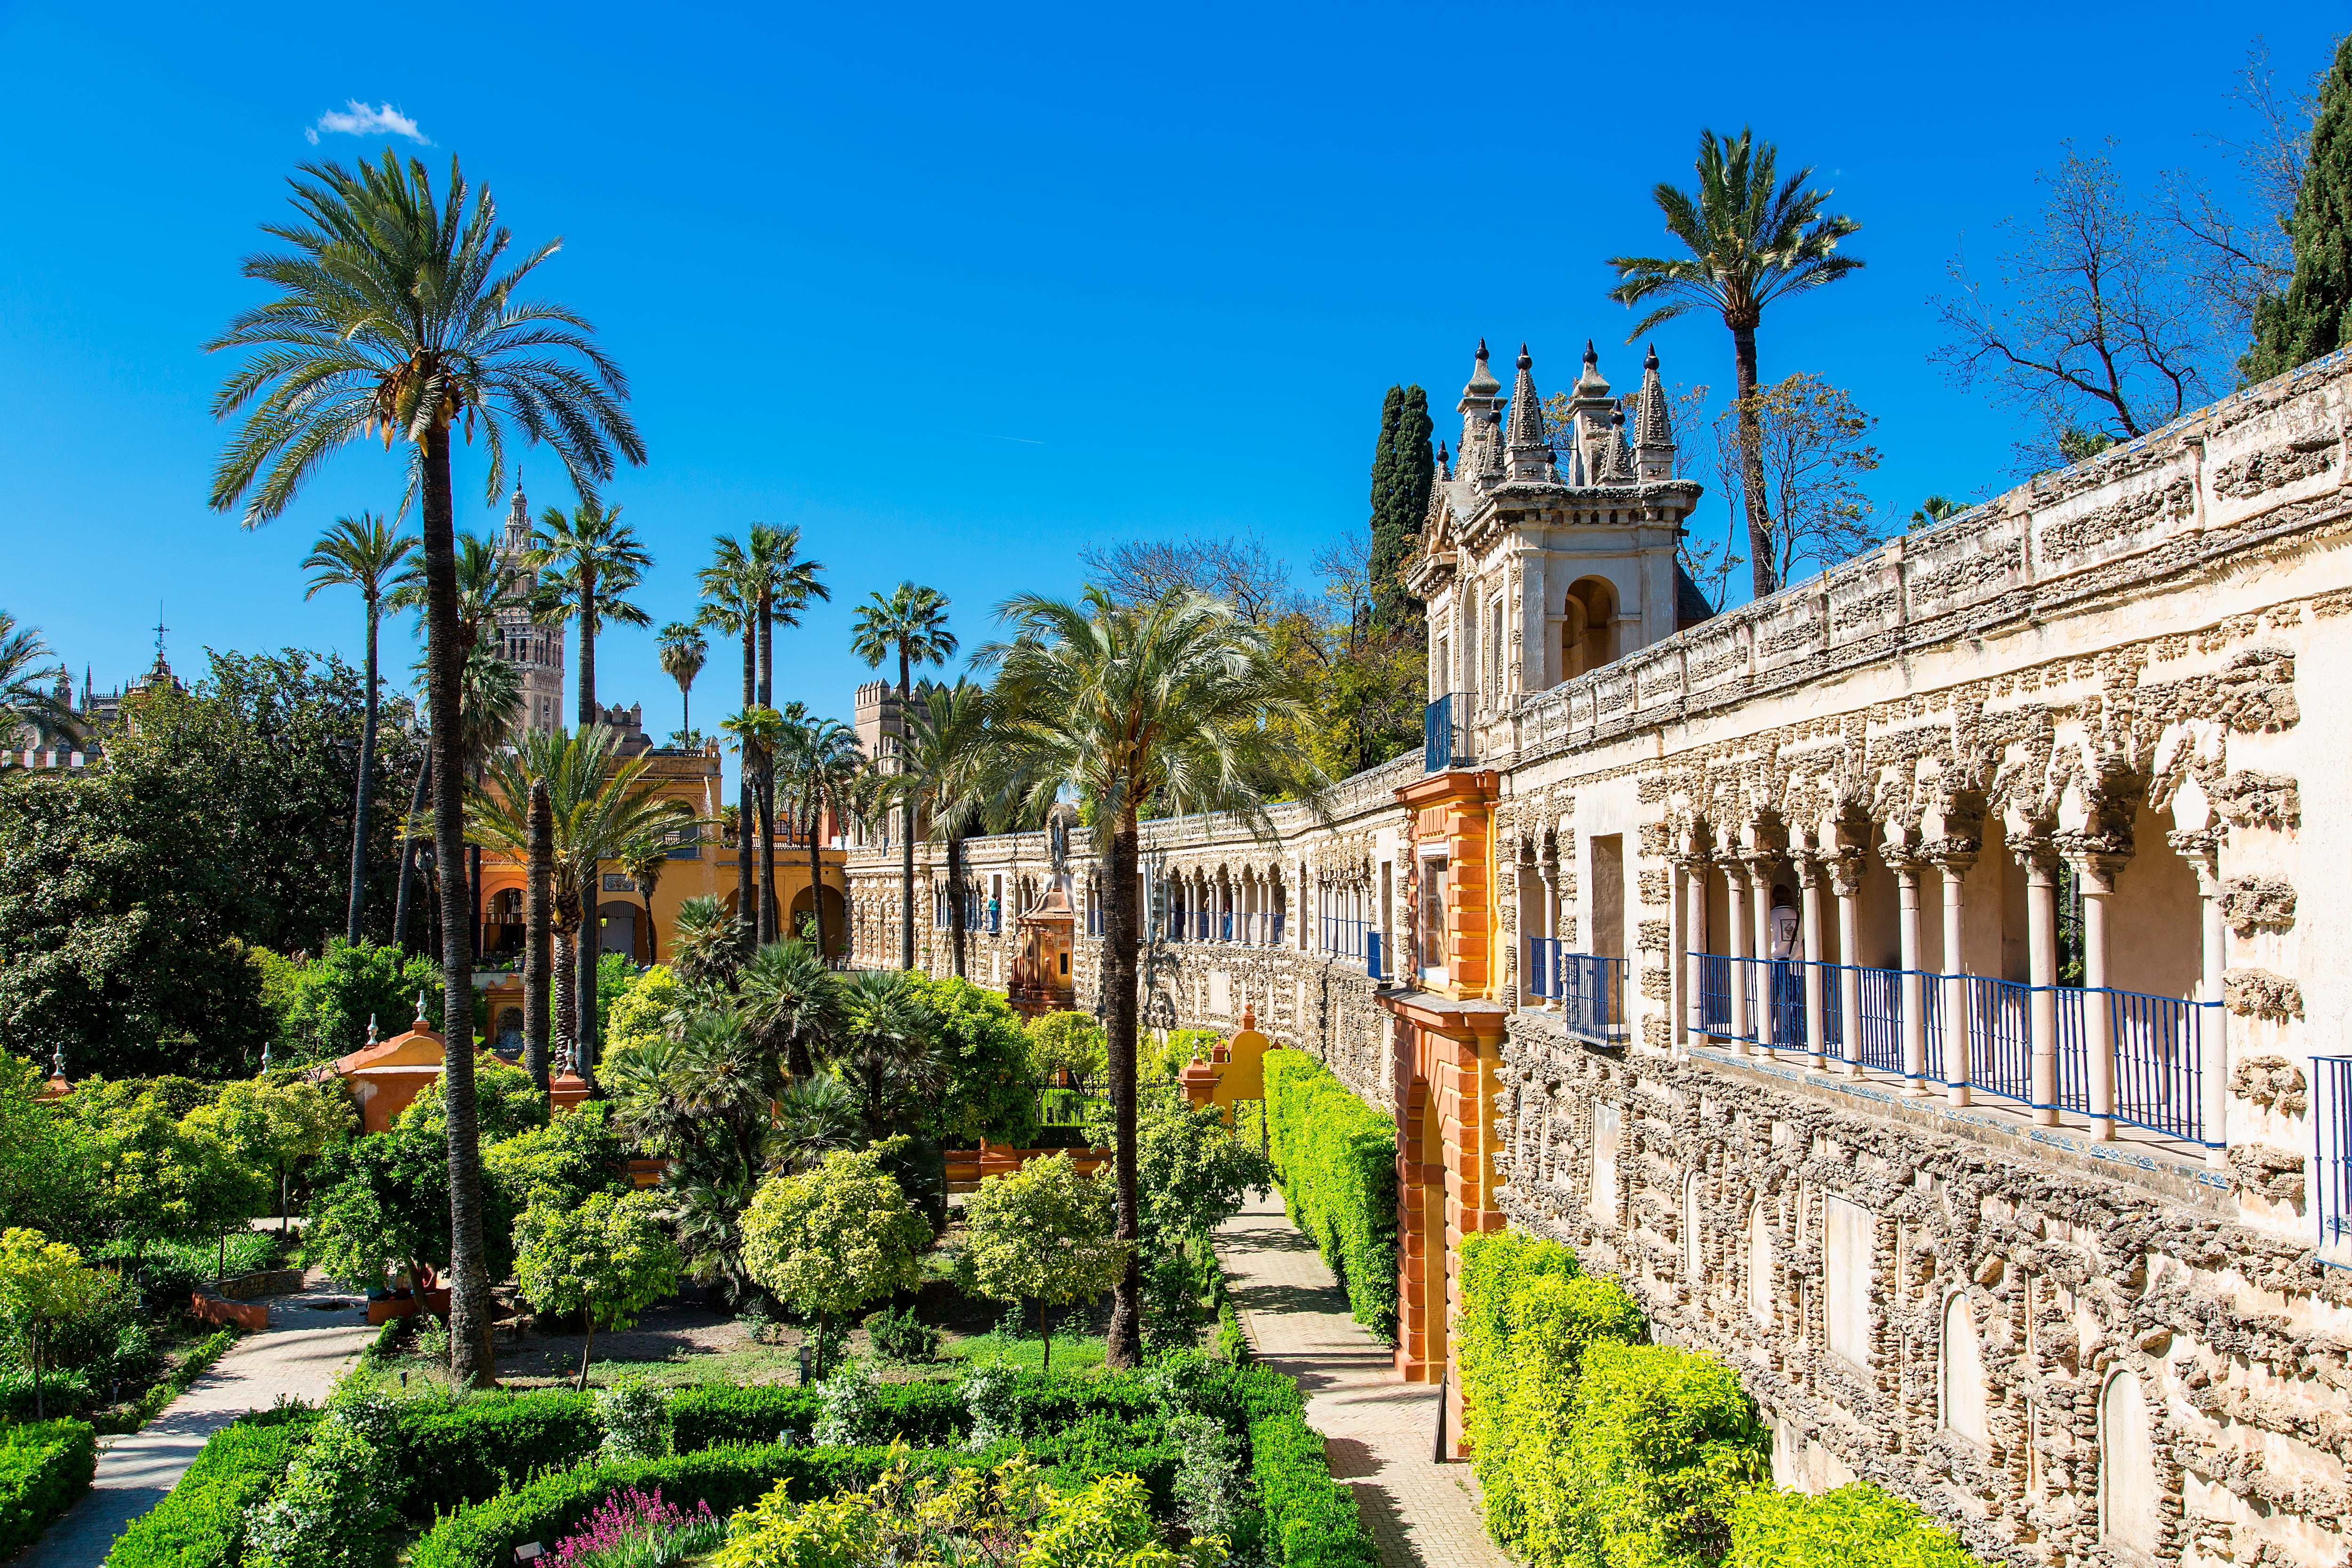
(2094, 863)
(1953, 852)
(1906, 860)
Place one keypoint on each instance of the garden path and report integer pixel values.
(311, 1337)
(1422, 1514)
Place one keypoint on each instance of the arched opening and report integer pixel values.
(1963, 1372)
(836, 920)
(618, 931)
(1588, 638)
(2127, 1488)
(1694, 1258)
(1759, 1266)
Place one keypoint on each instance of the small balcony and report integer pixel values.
(1446, 741)
(1586, 990)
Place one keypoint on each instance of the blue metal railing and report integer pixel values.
(1445, 732)
(1593, 996)
(1344, 937)
(2331, 1124)
(1543, 967)
(1373, 965)
(1226, 927)
(2158, 1041)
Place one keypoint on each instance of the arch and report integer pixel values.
(1587, 636)
(1694, 1256)
(619, 929)
(1759, 1265)
(2128, 1494)
(1960, 1371)
(836, 922)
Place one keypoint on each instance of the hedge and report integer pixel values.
(1856, 1526)
(1310, 1519)
(1334, 1158)
(201, 1523)
(44, 1466)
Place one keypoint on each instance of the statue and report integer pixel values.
(1057, 845)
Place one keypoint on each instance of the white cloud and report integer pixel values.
(356, 119)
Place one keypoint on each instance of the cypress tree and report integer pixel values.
(2314, 317)
(1402, 472)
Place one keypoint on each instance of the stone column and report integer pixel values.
(1694, 870)
(1846, 880)
(1760, 916)
(1808, 877)
(2202, 850)
(1905, 865)
(1953, 858)
(1549, 870)
(2096, 874)
(2041, 972)
(1735, 876)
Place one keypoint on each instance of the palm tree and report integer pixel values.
(731, 607)
(704, 952)
(912, 623)
(598, 806)
(826, 769)
(1935, 509)
(791, 1001)
(813, 1116)
(783, 583)
(585, 562)
(683, 652)
(489, 711)
(1174, 705)
(26, 701)
(641, 863)
(762, 733)
(943, 780)
(399, 313)
(360, 553)
(1751, 242)
(885, 1053)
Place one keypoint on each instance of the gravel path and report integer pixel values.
(312, 1338)
(1422, 1514)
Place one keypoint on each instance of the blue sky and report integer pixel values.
(957, 290)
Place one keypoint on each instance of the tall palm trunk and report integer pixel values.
(472, 1360)
(591, 945)
(1124, 1345)
(771, 914)
(408, 853)
(653, 943)
(816, 870)
(364, 787)
(536, 914)
(1761, 567)
(955, 900)
(587, 648)
(747, 812)
(567, 953)
(905, 835)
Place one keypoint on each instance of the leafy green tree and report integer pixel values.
(1193, 1172)
(562, 1160)
(360, 553)
(608, 1256)
(270, 1128)
(828, 1241)
(383, 1202)
(44, 1286)
(159, 1178)
(505, 1102)
(990, 1089)
(1044, 1233)
(48, 1162)
(1167, 708)
(642, 1012)
(338, 995)
(912, 623)
(1069, 1043)
(1751, 241)
(683, 651)
(1404, 469)
(2314, 317)
(398, 311)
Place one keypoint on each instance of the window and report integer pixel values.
(1432, 917)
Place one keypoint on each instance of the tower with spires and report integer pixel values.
(536, 651)
(1549, 550)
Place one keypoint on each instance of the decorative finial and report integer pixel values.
(1482, 349)
(1524, 361)
(420, 1009)
(1617, 417)
(1591, 356)
(1651, 362)
(371, 1028)
(57, 1061)
(265, 1056)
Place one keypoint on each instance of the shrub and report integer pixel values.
(1661, 1445)
(43, 1467)
(848, 1408)
(990, 1092)
(333, 1506)
(1310, 1519)
(989, 1402)
(902, 1336)
(448, 1454)
(1856, 1526)
(1335, 1159)
(201, 1524)
(634, 1415)
(831, 1239)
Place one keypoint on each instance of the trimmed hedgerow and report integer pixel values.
(1334, 1158)
(449, 1454)
(1856, 1526)
(201, 1524)
(1310, 1519)
(44, 1466)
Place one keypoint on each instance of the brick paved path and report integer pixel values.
(311, 1338)
(1422, 1513)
